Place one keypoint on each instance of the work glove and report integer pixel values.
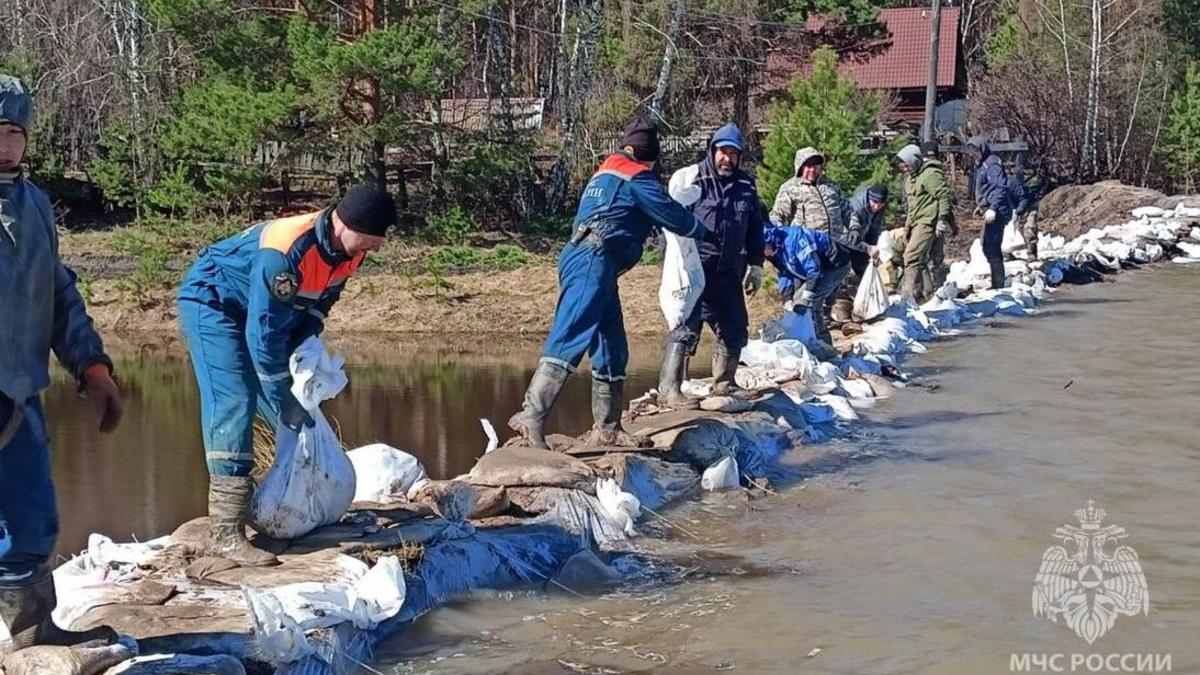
(989, 216)
(293, 415)
(682, 186)
(754, 279)
(799, 308)
(943, 227)
(99, 387)
(802, 302)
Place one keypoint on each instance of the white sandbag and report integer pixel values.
(1182, 211)
(683, 188)
(682, 279)
(620, 507)
(780, 355)
(312, 481)
(282, 615)
(871, 299)
(840, 406)
(1185, 260)
(823, 378)
(856, 388)
(722, 475)
(698, 388)
(886, 247)
(1155, 252)
(1195, 233)
(725, 404)
(1148, 212)
(1013, 240)
(384, 473)
(1189, 249)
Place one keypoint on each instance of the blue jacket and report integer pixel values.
(864, 227)
(623, 202)
(43, 310)
(731, 212)
(992, 189)
(803, 254)
(277, 280)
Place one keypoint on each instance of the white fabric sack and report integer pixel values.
(384, 473)
(722, 475)
(622, 508)
(682, 279)
(1013, 240)
(1148, 212)
(886, 246)
(312, 481)
(682, 186)
(871, 299)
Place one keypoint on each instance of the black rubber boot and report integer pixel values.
(671, 377)
(228, 509)
(724, 367)
(998, 277)
(25, 610)
(547, 383)
(607, 401)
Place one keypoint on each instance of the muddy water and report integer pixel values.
(911, 548)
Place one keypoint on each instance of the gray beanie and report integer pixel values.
(16, 104)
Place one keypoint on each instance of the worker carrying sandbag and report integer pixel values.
(244, 307)
(731, 253)
(620, 206)
(814, 263)
(44, 312)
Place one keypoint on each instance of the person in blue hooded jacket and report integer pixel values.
(44, 313)
(731, 252)
(814, 263)
(620, 206)
(244, 307)
(994, 196)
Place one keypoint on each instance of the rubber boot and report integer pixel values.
(671, 377)
(998, 277)
(25, 610)
(910, 287)
(544, 387)
(607, 401)
(228, 510)
(724, 367)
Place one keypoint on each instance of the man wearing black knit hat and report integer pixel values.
(620, 206)
(244, 306)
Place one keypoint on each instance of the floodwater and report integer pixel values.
(912, 546)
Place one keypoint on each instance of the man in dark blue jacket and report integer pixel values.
(994, 197)
(731, 252)
(620, 206)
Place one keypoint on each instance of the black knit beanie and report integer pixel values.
(642, 135)
(367, 210)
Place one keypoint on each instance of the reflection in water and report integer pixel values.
(149, 476)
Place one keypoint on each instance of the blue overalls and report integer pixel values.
(733, 222)
(993, 191)
(620, 205)
(809, 257)
(43, 311)
(244, 307)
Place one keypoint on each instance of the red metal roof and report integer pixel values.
(905, 62)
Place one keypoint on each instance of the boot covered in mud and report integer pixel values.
(607, 402)
(911, 287)
(544, 387)
(25, 609)
(724, 368)
(228, 510)
(671, 377)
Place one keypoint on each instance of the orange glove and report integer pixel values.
(105, 396)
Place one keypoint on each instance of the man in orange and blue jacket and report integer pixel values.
(621, 205)
(244, 306)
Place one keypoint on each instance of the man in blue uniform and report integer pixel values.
(43, 312)
(621, 204)
(244, 307)
(814, 263)
(731, 252)
(994, 197)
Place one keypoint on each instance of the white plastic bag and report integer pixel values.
(682, 186)
(312, 481)
(622, 508)
(682, 279)
(1013, 240)
(871, 299)
(886, 246)
(384, 473)
(722, 475)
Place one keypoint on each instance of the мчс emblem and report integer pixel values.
(1089, 586)
(284, 286)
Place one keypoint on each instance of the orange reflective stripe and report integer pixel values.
(281, 233)
(622, 166)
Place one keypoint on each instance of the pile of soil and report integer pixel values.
(1074, 209)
